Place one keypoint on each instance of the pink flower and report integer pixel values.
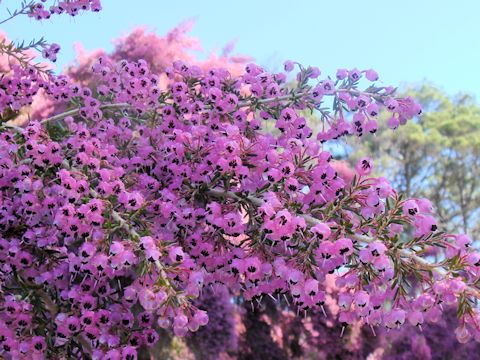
(371, 75)
(364, 166)
(288, 65)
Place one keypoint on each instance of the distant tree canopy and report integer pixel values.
(436, 156)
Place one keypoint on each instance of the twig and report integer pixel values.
(77, 111)
(21, 11)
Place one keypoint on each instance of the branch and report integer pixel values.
(239, 105)
(77, 111)
(361, 238)
(22, 11)
(63, 115)
(18, 129)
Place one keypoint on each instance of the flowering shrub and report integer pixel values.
(116, 214)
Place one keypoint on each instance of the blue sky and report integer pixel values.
(405, 41)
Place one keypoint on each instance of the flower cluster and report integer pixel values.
(19, 87)
(50, 52)
(39, 11)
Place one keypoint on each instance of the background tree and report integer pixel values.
(437, 156)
